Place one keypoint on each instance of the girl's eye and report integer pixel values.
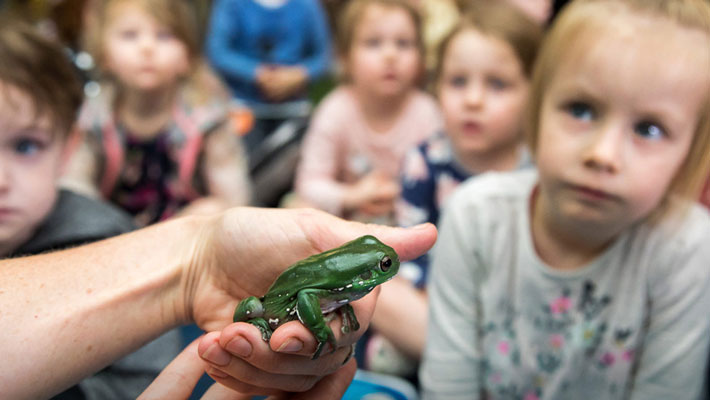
(372, 42)
(649, 130)
(165, 35)
(27, 147)
(497, 83)
(458, 81)
(405, 44)
(128, 34)
(581, 111)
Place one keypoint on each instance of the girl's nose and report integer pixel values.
(605, 150)
(474, 95)
(146, 43)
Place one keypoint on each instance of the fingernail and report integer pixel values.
(421, 226)
(216, 355)
(217, 373)
(239, 347)
(291, 346)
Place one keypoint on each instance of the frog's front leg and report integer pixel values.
(310, 315)
(251, 310)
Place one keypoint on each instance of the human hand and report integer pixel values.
(374, 194)
(281, 81)
(241, 252)
(178, 380)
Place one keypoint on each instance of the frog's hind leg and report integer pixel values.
(349, 321)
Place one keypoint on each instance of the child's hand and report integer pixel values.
(238, 358)
(280, 82)
(374, 194)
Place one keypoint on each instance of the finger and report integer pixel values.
(245, 356)
(218, 391)
(326, 232)
(179, 378)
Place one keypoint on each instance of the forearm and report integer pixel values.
(79, 309)
(401, 316)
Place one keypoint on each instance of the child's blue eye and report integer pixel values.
(373, 42)
(458, 81)
(581, 111)
(27, 147)
(649, 130)
(129, 34)
(165, 35)
(497, 83)
(404, 44)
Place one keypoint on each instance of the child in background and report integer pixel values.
(481, 82)
(353, 150)
(40, 94)
(268, 51)
(587, 278)
(158, 139)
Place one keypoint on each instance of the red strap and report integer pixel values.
(113, 150)
(189, 152)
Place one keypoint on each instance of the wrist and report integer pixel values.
(185, 250)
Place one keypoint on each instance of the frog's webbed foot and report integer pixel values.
(263, 326)
(349, 321)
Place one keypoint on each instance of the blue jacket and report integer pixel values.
(244, 34)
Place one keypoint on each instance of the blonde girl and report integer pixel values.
(482, 84)
(157, 135)
(354, 147)
(588, 278)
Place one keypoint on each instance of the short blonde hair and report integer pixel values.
(502, 21)
(355, 10)
(582, 16)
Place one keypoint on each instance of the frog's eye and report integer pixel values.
(385, 263)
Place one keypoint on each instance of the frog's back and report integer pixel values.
(324, 270)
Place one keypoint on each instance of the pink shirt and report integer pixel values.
(340, 147)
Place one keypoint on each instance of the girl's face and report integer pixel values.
(139, 51)
(618, 118)
(384, 58)
(483, 91)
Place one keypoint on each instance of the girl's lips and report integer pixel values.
(6, 212)
(593, 194)
(471, 127)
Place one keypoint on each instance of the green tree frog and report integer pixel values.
(319, 285)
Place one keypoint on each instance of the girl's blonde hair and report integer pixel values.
(353, 13)
(581, 19)
(500, 20)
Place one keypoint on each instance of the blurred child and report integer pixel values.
(268, 51)
(158, 139)
(482, 84)
(353, 150)
(40, 94)
(588, 278)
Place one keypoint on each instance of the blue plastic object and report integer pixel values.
(373, 386)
